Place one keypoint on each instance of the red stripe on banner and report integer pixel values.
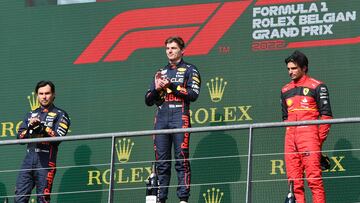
(146, 39)
(216, 27)
(321, 43)
(269, 2)
(143, 18)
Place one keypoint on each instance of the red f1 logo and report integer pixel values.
(200, 25)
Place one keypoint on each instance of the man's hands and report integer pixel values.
(34, 122)
(325, 162)
(161, 82)
(35, 126)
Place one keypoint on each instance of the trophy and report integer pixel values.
(152, 186)
(36, 128)
(290, 198)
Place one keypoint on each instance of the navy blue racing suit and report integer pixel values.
(173, 112)
(39, 166)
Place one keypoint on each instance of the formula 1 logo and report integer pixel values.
(200, 25)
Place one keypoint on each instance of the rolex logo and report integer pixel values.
(33, 101)
(216, 88)
(213, 196)
(123, 149)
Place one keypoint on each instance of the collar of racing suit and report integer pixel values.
(47, 109)
(301, 81)
(171, 66)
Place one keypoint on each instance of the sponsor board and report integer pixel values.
(217, 113)
(336, 165)
(122, 175)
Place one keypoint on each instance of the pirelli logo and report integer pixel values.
(200, 25)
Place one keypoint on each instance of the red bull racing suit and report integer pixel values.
(306, 99)
(39, 166)
(173, 112)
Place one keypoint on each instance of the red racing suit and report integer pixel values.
(306, 99)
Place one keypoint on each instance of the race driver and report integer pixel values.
(39, 166)
(172, 90)
(304, 98)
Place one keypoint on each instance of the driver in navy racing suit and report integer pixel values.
(39, 165)
(172, 90)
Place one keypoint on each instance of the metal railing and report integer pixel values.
(251, 127)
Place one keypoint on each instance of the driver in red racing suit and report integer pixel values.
(304, 98)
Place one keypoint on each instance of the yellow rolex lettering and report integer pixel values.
(120, 176)
(223, 114)
(277, 165)
(213, 116)
(205, 117)
(245, 115)
(229, 113)
(191, 114)
(18, 126)
(337, 161)
(7, 127)
(136, 175)
(148, 170)
(104, 178)
(94, 176)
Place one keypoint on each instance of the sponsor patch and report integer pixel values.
(306, 91)
(63, 125)
(181, 69)
(53, 114)
(195, 86)
(64, 120)
(196, 79)
(289, 102)
(179, 80)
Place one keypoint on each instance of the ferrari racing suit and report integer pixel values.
(306, 99)
(173, 112)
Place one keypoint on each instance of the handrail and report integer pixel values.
(181, 130)
(250, 127)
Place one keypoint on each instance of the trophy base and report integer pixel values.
(151, 199)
